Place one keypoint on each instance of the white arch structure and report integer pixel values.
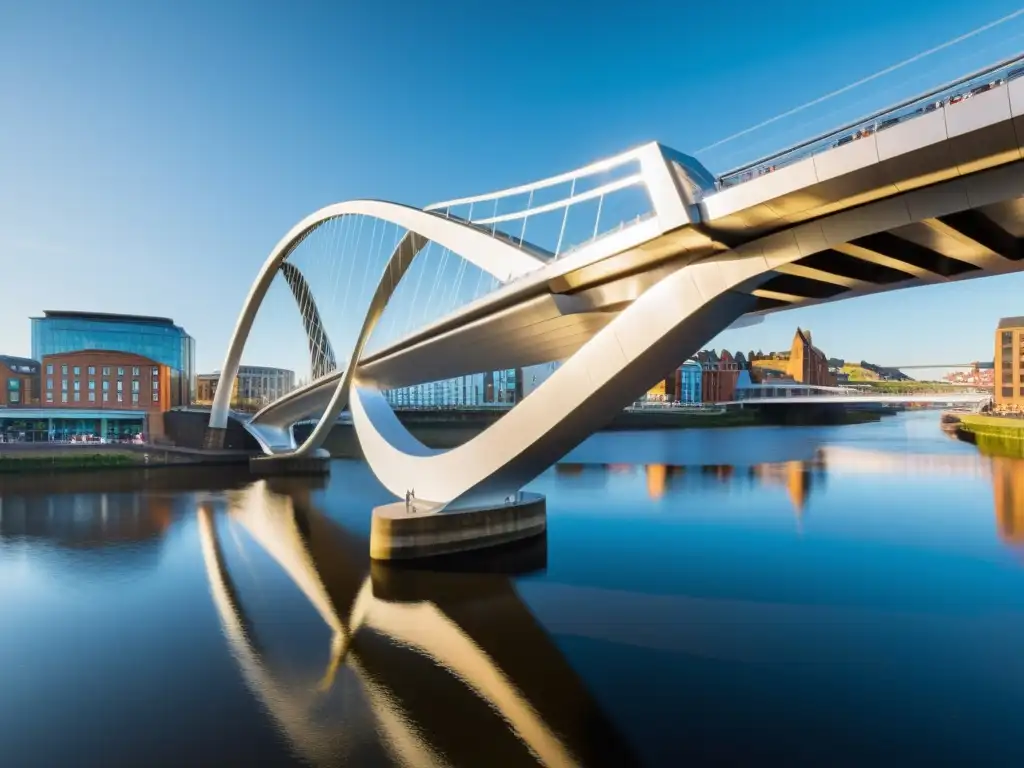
(671, 282)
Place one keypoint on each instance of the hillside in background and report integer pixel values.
(865, 371)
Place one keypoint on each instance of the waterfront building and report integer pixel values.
(683, 385)
(1009, 364)
(719, 374)
(503, 387)
(19, 382)
(101, 380)
(154, 338)
(804, 363)
(42, 425)
(807, 363)
(254, 387)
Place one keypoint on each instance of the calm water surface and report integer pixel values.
(819, 596)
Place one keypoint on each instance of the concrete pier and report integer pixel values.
(266, 466)
(404, 532)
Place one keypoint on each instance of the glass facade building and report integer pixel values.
(157, 338)
(503, 387)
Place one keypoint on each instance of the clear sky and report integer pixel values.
(151, 154)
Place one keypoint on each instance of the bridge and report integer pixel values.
(666, 257)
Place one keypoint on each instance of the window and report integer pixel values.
(156, 371)
(92, 397)
(1007, 337)
(92, 384)
(49, 397)
(106, 397)
(78, 385)
(64, 370)
(106, 386)
(135, 398)
(64, 385)
(14, 397)
(14, 385)
(135, 371)
(120, 397)
(49, 369)
(156, 397)
(63, 397)
(78, 371)
(78, 395)
(92, 370)
(156, 385)
(120, 371)
(49, 384)
(135, 385)
(1007, 391)
(106, 370)
(120, 387)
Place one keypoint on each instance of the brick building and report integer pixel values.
(719, 376)
(19, 382)
(101, 380)
(1009, 364)
(807, 363)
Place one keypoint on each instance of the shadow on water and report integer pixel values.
(452, 667)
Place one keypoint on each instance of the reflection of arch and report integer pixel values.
(414, 616)
(321, 354)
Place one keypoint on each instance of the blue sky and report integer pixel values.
(151, 154)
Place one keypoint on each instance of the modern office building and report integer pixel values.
(476, 389)
(19, 382)
(254, 387)
(1009, 364)
(154, 338)
(683, 385)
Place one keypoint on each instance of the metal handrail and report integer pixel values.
(1005, 70)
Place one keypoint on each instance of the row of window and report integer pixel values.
(77, 397)
(76, 385)
(77, 370)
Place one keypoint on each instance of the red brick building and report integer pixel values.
(19, 382)
(719, 376)
(97, 380)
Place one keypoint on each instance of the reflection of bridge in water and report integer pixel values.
(408, 641)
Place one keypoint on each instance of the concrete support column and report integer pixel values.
(213, 438)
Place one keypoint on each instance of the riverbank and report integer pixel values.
(58, 457)
(994, 435)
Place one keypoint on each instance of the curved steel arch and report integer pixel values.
(661, 326)
(321, 353)
(493, 255)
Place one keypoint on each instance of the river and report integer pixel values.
(808, 596)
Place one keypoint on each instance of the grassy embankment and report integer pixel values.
(994, 435)
(12, 463)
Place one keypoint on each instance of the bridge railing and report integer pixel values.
(561, 213)
(938, 98)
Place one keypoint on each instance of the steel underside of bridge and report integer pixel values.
(933, 199)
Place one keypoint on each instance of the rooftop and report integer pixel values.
(106, 317)
(1011, 322)
(22, 362)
